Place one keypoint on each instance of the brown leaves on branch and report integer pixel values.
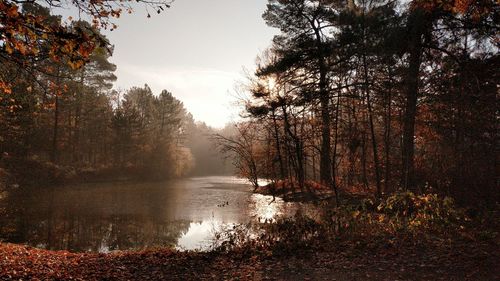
(468, 8)
(30, 35)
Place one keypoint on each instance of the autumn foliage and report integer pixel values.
(28, 36)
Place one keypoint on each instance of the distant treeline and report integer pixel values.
(58, 123)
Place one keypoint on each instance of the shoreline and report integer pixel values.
(347, 259)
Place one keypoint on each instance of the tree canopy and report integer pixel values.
(30, 35)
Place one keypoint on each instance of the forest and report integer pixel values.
(370, 97)
(62, 121)
(365, 149)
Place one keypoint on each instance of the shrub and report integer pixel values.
(406, 210)
(284, 235)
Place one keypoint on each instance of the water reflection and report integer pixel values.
(119, 216)
(266, 208)
(199, 235)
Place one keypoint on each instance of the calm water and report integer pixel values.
(104, 217)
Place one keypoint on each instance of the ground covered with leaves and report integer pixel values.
(376, 259)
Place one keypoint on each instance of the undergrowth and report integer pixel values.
(401, 214)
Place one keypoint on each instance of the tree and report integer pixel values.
(304, 43)
(244, 148)
(28, 36)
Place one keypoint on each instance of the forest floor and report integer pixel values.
(373, 258)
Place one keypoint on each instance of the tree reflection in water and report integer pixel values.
(122, 216)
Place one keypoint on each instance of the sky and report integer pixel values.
(197, 49)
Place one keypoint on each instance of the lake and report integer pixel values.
(103, 217)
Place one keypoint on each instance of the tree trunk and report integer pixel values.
(387, 135)
(55, 132)
(278, 146)
(417, 25)
(372, 129)
(325, 159)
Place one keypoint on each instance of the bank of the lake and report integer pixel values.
(372, 258)
(290, 191)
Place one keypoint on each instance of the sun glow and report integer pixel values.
(271, 83)
(265, 208)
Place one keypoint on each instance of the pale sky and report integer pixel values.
(197, 49)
